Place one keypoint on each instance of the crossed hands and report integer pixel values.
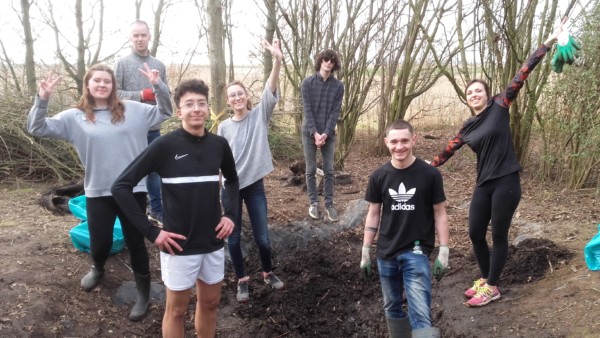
(274, 49)
(320, 139)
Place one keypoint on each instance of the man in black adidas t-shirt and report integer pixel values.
(406, 206)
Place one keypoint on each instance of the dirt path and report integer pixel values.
(40, 271)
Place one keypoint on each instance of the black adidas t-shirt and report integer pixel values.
(407, 197)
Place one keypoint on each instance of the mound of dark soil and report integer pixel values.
(324, 294)
(531, 259)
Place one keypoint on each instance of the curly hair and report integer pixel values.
(193, 85)
(327, 54)
(86, 102)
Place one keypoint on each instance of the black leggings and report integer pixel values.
(494, 200)
(101, 215)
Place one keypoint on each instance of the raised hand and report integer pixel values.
(273, 48)
(47, 86)
(153, 75)
(554, 36)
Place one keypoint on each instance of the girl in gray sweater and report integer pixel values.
(108, 134)
(247, 131)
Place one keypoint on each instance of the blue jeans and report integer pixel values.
(153, 182)
(410, 272)
(310, 157)
(256, 203)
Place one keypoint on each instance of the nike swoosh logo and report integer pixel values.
(179, 157)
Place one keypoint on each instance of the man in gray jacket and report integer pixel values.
(131, 85)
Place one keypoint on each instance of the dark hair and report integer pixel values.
(86, 102)
(398, 125)
(327, 54)
(486, 86)
(193, 85)
(239, 83)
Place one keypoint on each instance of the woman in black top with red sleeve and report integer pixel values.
(498, 187)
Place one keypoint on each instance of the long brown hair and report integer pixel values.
(86, 102)
(239, 83)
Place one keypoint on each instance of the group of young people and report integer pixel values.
(115, 127)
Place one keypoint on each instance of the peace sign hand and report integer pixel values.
(153, 75)
(47, 86)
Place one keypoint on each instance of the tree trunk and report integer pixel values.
(216, 53)
(157, 27)
(269, 34)
(29, 62)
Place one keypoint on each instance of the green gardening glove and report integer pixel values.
(567, 49)
(365, 263)
(557, 63)
(440, 267)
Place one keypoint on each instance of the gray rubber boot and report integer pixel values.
(140, 308)
(399, 327)
(91, 280)
(428, 332)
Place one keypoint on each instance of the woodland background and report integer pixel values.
(400, 59)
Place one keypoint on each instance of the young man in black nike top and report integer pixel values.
(189, 161)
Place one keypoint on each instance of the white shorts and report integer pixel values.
(180, 273)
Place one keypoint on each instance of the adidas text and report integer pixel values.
(399, 206)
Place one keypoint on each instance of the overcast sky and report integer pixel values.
(179, 33)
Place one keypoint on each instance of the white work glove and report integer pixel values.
(440, 267)
(365, 263)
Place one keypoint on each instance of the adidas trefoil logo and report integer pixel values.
(179, 157)
(402, 195)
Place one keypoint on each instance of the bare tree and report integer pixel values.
(9, 67)
(229, 38)
(505, 34)
(298, 27)
(269, 34)
(138, 8)
(29, 50)
(159, 15)
(380, 45)
(216, 53)
(86, 48)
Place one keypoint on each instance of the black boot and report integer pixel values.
(399, 328)
(428, 332)
(91, 280)
(140, 308)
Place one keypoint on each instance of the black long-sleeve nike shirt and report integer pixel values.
(189, 167)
